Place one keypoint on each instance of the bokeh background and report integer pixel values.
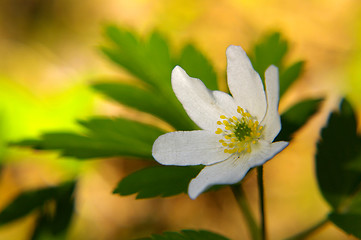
(49, 54)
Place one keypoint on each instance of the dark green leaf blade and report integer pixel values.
(339, 147)
(289, 75)
(187, 235)
(104, 138)
(53, 225)
(295, 117)
(270, 50)
(348, 222)
(147, 101)
(127, 52)
(163, 181)
(25, 203)
(28, 201)
(196, 65)
(147, 60)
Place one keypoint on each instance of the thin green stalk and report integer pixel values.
(308, 232)
(261, 201)
(243, 204)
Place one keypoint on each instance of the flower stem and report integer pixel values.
(308, 232)
(261, 201)
(243, 204)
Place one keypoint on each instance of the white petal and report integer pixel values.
(188, 148)
(202, 105)
(244, 82)
(272, 120)
(234, 169)
(227, 172)
(264, 152)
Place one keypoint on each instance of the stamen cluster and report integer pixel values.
(239, 133)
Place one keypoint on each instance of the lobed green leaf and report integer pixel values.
(289, 75)
(28, 201)
(270, 50)
(145, 100)
(196, 65)
(295, 117)
(156, 181)
(54, 225)
(104, 138)
(339, 147)
(348, 222)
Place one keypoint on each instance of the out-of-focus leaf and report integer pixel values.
(145, 100)
(28, 201)
(197, 66)
(151, 63)
(104, 138)
(148, 60)
(339, 147)
(156, 181)
(54, 225)
(295, 117)
(270, 50)
(289, 75)
(187, 235)
(349, 222)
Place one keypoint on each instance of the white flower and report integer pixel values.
(237, 131)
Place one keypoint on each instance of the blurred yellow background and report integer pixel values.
(48, 55)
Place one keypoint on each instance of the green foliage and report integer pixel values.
(104, 138)
(54, 225)
(145, 100)
(29, 201)
(156, 181)
(295, 117)
(150, 62)
(289, 75)
(348, 222)
(271, 50)
(339, 147)
(187, 235)
(197, 66)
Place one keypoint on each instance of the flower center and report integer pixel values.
(239, 133)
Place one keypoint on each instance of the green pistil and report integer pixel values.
(242, 131)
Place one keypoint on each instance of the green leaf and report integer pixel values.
(288, 76)
(156, 181)
(270, 50)
(196, 65)
(53, 225)
(28, 201)
(339, 147)
(348, 222)
(295, 117)
(104, 138)
(187, 235)
(150, 62)
(147, 101)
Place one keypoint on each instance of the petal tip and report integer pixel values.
(271, 69)
(233, 50)
(177, 70)
(193, 191)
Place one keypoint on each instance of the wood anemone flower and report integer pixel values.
(238, 130)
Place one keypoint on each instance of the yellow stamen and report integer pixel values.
(239, 132)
